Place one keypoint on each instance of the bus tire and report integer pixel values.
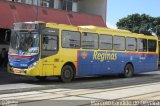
(41, 78)
(128, 71)
(67, 74)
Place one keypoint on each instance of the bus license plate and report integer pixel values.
(17, 71)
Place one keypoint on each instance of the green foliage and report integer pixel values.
(143, 23)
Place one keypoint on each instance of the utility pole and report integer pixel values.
(37, 10)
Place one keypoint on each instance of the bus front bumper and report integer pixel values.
(24, 72)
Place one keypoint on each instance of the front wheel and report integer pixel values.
(128, 71)
(67, 74)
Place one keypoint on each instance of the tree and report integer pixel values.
(156, 24)
(143, 23)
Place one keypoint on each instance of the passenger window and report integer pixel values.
(89, 40)
(142, 45)
(152, 45)
(131, 44)
(49, 41)
(105, 42)
(119, 43)
(70, 39)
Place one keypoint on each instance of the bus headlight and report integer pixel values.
(32, 65)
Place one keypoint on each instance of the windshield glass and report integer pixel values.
(24, 42)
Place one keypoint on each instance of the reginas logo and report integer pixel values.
(84, 55)
(102, 56)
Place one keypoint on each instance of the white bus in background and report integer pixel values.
(5, 40)
(4, 46)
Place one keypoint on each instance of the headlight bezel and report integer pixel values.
(33, 65)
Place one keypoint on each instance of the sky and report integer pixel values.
(117, 9)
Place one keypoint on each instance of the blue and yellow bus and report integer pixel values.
(65, 51)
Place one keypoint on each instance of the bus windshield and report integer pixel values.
(24, 43)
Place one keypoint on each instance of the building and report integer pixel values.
(95, 7)
(74, 12)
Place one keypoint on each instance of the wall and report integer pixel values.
(95, 7)
(19, 12)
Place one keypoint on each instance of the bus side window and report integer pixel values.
(105, 42)
(89, 40)
(119, 43)
(142, 45)
(49, 41)
(71, 39)
(131, 44)
(152, 45)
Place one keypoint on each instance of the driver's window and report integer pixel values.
(49, 41)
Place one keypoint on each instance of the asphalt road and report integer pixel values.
(8, 78)
(54, 93)
(24, 84)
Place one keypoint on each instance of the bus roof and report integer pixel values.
(95, 29)
(116, 31)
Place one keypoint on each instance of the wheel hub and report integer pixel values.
(67, 74)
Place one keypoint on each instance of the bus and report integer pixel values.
(159, 51)
(4, 39)
(41, 49)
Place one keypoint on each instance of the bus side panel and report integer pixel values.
(100, 62)
(151, 62)
(135, 59)
(142, 62)
(117, 66)
(85, 63)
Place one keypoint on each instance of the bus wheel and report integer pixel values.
(41, 78)
(67, 74)
(128, 71)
